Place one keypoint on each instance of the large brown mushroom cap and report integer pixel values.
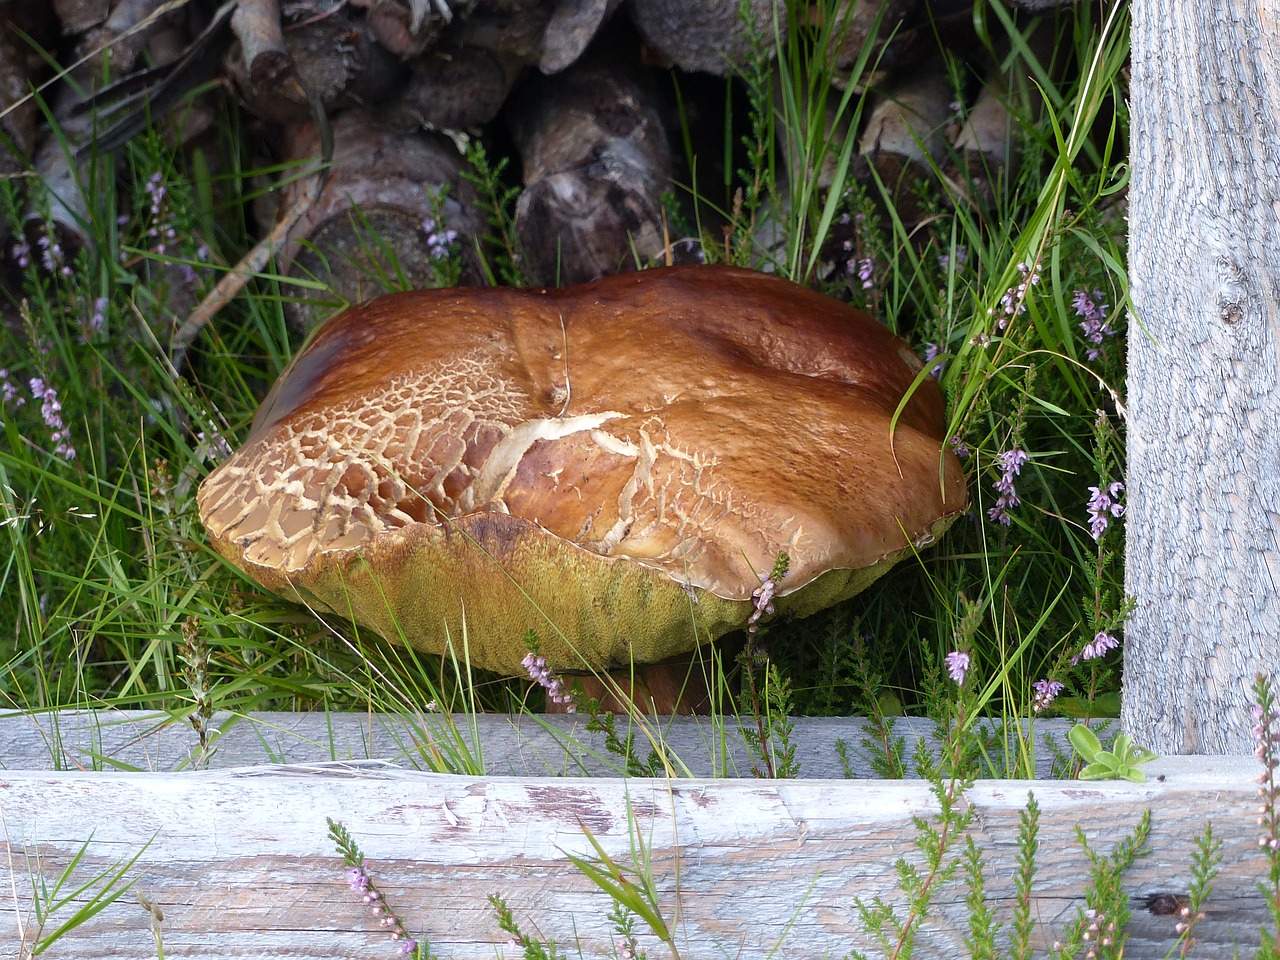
(614, 465)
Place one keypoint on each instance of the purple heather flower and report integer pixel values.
(1266, 748)
(51, 255)
(160, 232)
(961, 448)
(361, 883)
(215, 448)
(1010, 462)
(1014, 301)
(441, 242)
(98, 319)
(438, 240)
(542, 675)
(957, 665)
(931, 351)
(357, 879)
(959, 256)
(8, 392)
(865, 268)
(156, 189)
(21, 253)
(1103, 505)
(1046, 691)
(762, 599)
(51, 412)
(1093, 323)
(1099, 646)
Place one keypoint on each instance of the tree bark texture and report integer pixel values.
(1204, 410)
(21, 69)
(375, 219)
(596, 160)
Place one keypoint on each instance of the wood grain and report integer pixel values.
(238, 861)
(530, 746)
(1203, 496)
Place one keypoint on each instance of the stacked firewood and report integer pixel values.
(389, 93)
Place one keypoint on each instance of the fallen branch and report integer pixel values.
(256, 260)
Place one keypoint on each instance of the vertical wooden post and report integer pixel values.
(1203, 560)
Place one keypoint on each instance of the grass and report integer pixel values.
(111, 597)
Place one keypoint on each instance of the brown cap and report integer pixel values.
(614, 465)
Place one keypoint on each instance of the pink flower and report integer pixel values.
(957, 665)
(543, 676)
(1010, 462)
(1101, 644)
(1094, 324)
(1102, 506)
(1046, 691)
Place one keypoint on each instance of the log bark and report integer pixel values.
(984, 159)
(572, 26)
(21, 67)
(596, 161)
(379, 217)
(408, 27)
(707, 36)
(462, 82)
(77, 16)
(257, 26)
(712, 37)
(1043, 6)
(116, 44)
(113, 46)
(1203, 522)
(336, 56)
(904, 136)
(515, 745)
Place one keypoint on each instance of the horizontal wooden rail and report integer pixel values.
(238, 862)
(516, 745)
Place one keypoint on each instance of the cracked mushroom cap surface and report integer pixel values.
(615, 465)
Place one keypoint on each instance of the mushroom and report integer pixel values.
(616, 465)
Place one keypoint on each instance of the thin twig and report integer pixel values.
(256, 260)
(253, 263)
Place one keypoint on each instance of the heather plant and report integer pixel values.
(363, 885)
(1266, 737)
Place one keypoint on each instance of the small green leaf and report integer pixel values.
(1097, 771)
(1085, 741)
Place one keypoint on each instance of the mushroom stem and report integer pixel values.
(676, 685)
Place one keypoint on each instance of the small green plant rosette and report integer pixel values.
(1119, 763)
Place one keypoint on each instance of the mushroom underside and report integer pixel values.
(415, 585)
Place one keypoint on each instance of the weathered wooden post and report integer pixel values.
(1204, 410)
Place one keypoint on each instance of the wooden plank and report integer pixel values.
(518, 745)
(239, 862)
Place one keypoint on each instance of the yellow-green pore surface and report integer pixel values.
(614, 466)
